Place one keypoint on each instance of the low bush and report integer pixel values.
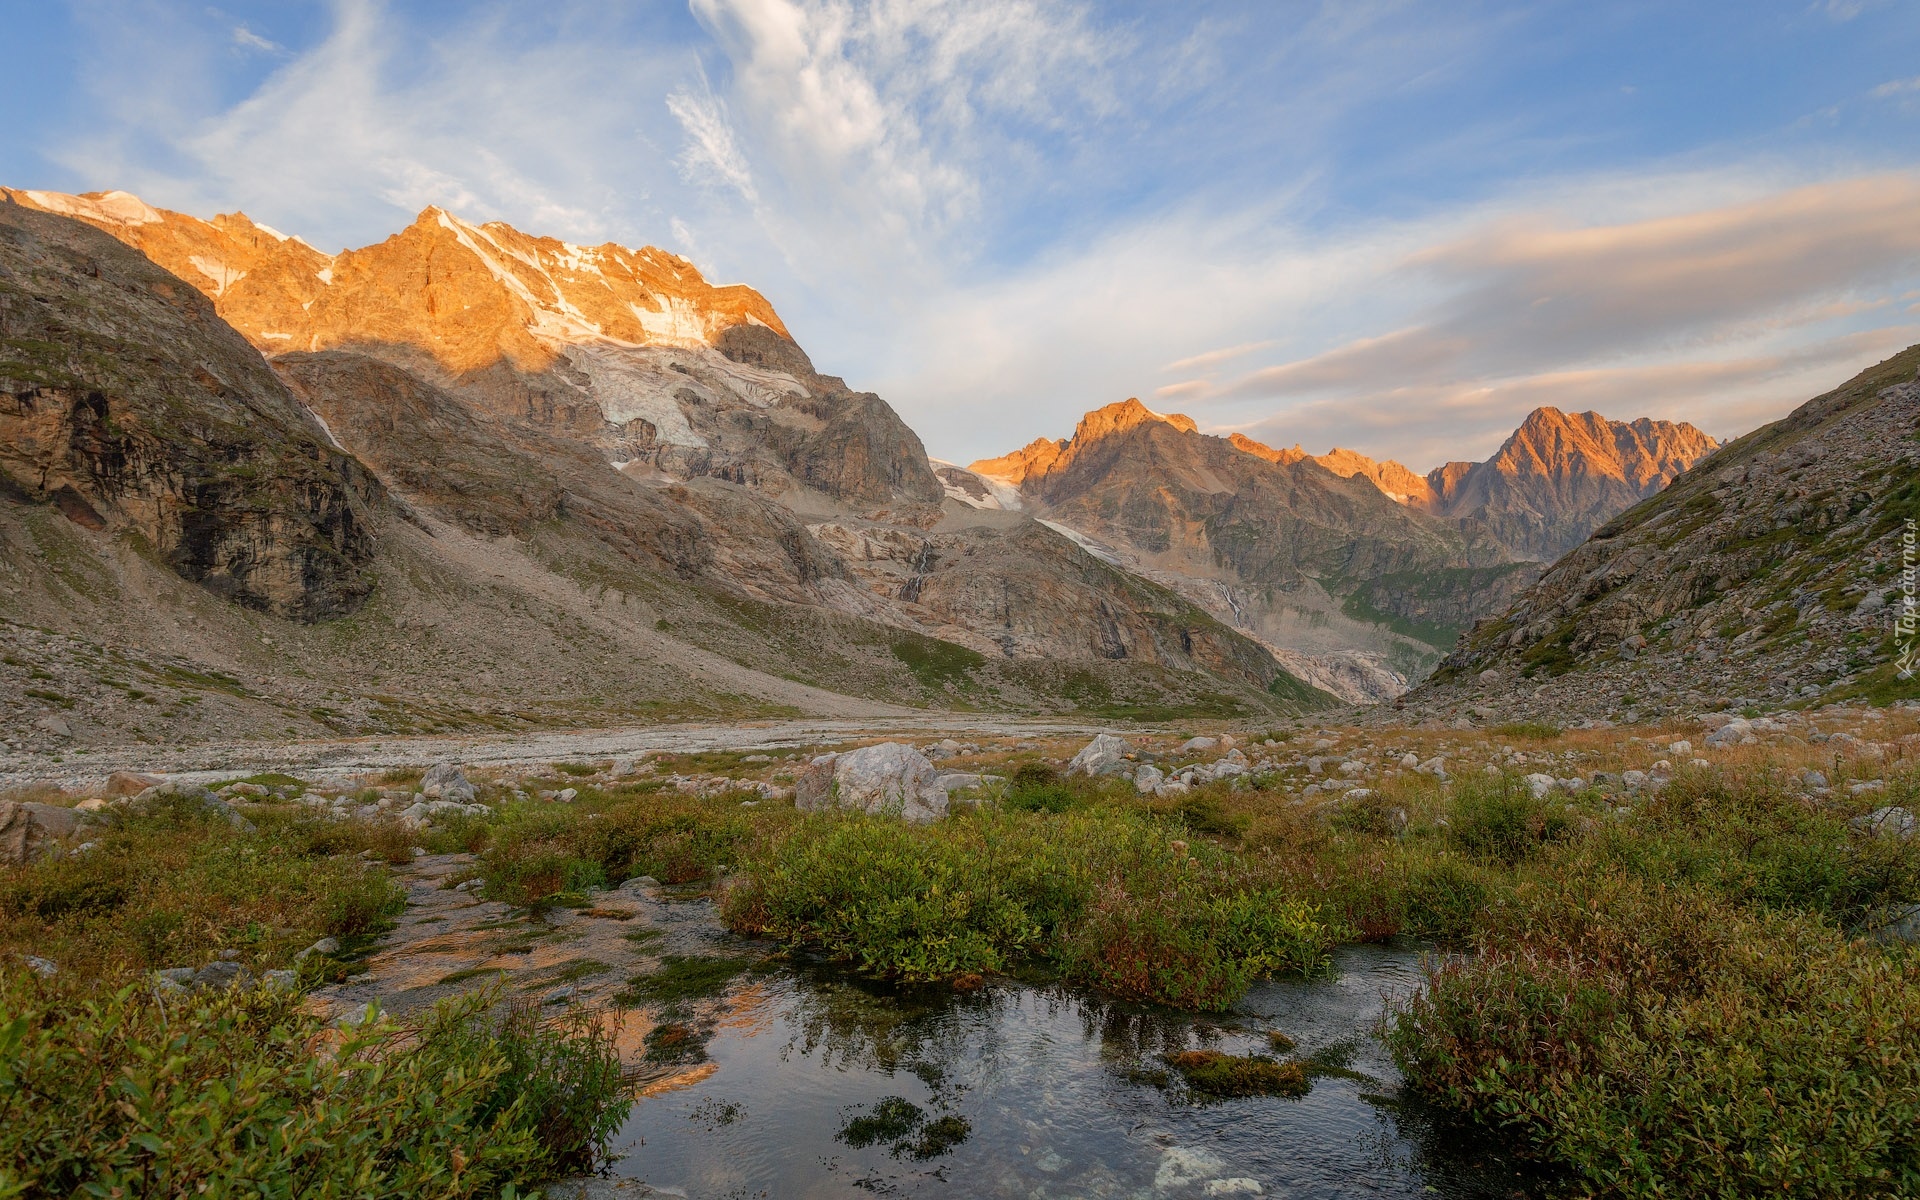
(243, 1092)
(1666, 1041)
(1500, 821)
(175, 884)
(1112, 898)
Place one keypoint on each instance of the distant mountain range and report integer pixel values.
(571, 484)
(1365, 567)
(1779, 572)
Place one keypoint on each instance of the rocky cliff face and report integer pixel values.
(127, 404)
(1770, 573)
(1559, 477)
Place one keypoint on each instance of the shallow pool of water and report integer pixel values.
(819, 1084)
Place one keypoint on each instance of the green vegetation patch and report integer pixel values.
(936, 664)
(681, 978)
(1213, 1073)
(225, 1094)
(903, 1123)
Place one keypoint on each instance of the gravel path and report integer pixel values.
(308, 759)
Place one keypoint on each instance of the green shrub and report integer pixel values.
(1036, 788)
(226, 1094)
(1500, 821)
(173, 885)
(1114, 899)
(1668, 1042)
(1212, 1073)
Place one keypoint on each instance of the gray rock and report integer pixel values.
(42, 967)
(566, 795)
(1813, 779)
(325, 945)
(1538, 784)
(219, 974)
(958, 781)
(1737, 731)
(1195, 745)
(1902, 925)
(1886, 822)
(887, 778)
(28, 831)
(280, 981)
(1104, 755)
(1147, 779)
(445, 781)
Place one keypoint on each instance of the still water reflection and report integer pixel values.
(819, 1084)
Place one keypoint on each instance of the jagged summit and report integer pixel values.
(470, 294)
(1560, 476)
(1767, 575)
(1044, 455)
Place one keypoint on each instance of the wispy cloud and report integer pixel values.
(249, 40)
(1213, 358)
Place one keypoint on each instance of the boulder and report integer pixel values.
(444, 781)
(1104, 755)
(1886, 822)
(887, 778)
(29, 830)
(813, 787)
(1196, 745)
(1147, 779)
(130, 783)
(1538, 785)
(219, 974)
(958, 781)
(325, 945)
(1736, 732)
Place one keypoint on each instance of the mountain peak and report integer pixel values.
(1559, 475)
(468, 294)
(1122, 416)
(1043, 455)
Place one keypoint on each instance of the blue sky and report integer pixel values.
(1391, 226)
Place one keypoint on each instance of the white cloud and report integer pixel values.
(249, 40)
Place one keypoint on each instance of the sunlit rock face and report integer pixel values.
(1561, 476)
(132, 409)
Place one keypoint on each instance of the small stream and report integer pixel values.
(823, 1084)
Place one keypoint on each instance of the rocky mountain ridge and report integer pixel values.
(1352, 589)
(1556, 478)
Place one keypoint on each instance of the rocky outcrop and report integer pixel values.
(466, 294)
(128, 405)
(699, 485)
(1771, 573)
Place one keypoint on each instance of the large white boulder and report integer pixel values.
(1104, 755)
(445, 781)
(887, 778)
